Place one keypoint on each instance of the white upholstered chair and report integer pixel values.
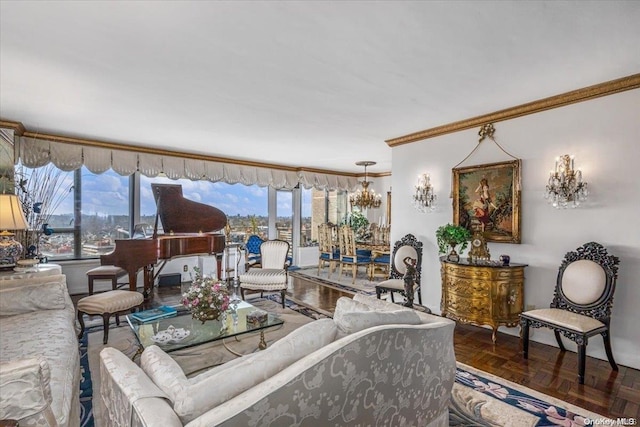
(410, 247)
(272, 274)
(582, 302)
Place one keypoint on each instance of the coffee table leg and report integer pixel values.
(138, 352)
(263, 343)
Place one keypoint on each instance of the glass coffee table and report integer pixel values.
(183, 331)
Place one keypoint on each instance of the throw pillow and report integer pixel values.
(27, 298)
(352, 316)
(378, 304)
(195, 396)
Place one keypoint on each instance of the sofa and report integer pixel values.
(374, 363)
(39, 357)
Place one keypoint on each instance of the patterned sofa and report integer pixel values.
(375, 363)
(39, 359)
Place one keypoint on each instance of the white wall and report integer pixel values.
(381, 186)
(604, 135)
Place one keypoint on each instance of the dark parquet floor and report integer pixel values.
(549, 371)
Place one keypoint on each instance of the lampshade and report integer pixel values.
(11, 214)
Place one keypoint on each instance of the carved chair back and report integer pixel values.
(586, 282)
(408, 246)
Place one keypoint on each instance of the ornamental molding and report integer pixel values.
(567, 98)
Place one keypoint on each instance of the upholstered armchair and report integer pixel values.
(582, 302)
(253, 251)
(410, 247)
(271, 276)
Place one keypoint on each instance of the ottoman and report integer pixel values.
(107, 304)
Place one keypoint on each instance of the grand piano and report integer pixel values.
(190, 228)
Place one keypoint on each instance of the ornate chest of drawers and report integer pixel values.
(482, 294)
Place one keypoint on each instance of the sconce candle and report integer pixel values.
(424, 198)
(565, 187)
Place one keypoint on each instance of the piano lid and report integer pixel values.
(180, 215)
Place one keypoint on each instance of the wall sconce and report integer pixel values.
(424, 199)
(565, 187)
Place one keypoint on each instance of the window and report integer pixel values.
(104, 207)
(47, 200)
(73, 214)
(318, 207)
(81, 214)
(245, 206)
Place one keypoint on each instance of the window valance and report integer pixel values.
(34, 152)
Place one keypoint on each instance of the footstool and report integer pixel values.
(107, 304)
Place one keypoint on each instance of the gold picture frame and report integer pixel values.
(487, 198)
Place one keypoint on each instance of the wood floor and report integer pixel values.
(549, 371)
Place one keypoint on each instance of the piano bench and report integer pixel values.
(107, 304)
(105, 272)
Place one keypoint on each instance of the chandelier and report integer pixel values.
(424, 199)
(365, 198)
(565, 187)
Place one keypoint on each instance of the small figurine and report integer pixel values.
(409, 280)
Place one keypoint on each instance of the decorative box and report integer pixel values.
(256, 318)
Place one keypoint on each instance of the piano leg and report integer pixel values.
(133, 280)
(148, 281)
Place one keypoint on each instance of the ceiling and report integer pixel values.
(306, 84)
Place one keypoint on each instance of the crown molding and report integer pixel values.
(16, 127)
(575, 96)
(20, 130)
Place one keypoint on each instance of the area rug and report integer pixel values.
(482, 399)
(362, 284)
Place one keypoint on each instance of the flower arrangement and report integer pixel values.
(207, 298)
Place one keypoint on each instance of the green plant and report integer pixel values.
(451, 236)
(359, 223)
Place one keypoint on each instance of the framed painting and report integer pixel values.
(487, 198)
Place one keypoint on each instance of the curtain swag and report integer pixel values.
(35, 153)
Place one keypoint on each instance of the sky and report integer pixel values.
(108, 193)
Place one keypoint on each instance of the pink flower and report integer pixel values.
(491, 388)
(570, 420)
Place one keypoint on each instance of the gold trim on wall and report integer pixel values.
(575, 96)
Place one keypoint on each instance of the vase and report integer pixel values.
(453, 255)
(207, 315)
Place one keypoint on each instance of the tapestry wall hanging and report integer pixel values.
(486, 197)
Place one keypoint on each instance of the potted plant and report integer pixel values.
(451, 236)
(360, 224)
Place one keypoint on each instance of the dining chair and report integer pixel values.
(582, 302)
(329, 252)
(350, 256)
(271, 276)
(410, 247)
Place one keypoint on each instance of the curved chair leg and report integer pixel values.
(81, 320)
(242, 293)
(582, 355)
(525, 339)
(282, 292)
(378, 292)
(105, 327)
(607, 347)
(559, 339)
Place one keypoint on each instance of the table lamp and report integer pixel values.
(11, 218)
